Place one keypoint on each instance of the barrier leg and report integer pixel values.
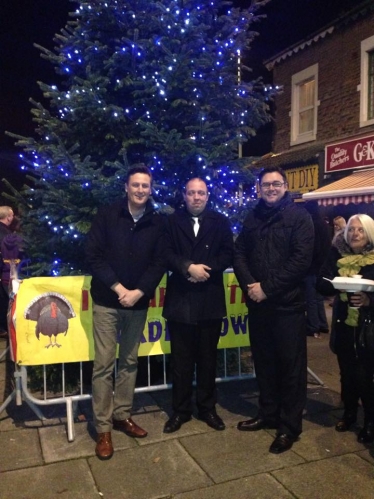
(17, 394)
(7, 401)
(70, 419)
(4, 353)
(319, 381)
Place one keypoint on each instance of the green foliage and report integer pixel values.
(152, 82)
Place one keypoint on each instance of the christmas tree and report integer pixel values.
(141, 81)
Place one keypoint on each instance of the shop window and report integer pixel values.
(304, 104)
(366, 87)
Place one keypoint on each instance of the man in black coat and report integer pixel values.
(6, 218)
(199, 247)
(125, 255)
(273, 254)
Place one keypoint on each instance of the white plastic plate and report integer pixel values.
(352, 284)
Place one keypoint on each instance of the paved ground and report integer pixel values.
(37, 461)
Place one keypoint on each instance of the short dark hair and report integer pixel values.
(195, 178)
(272, 169)
(139, 168)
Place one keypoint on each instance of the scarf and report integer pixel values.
(349, 266)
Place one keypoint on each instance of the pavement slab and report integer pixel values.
(229, 454)
(69, 480)
(261, 486)
(319, 439)
(155, 471)
(19, 449)
(335, 478)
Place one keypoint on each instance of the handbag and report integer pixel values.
(366, 331)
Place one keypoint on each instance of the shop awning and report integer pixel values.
(356, 188)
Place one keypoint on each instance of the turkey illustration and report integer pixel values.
(51, 312)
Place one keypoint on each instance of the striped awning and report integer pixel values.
(356, 188)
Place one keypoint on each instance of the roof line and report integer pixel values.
(341, 20)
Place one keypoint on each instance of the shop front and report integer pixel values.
(349, 164)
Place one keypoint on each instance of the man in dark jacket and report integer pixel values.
(125, 256)
(273, 254)
(6, 218)
(316, 320)
(199, 247)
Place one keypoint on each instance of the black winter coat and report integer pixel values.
(275, 248)
(120, 250)
(213, 246)
(4, 231)
(339, 329)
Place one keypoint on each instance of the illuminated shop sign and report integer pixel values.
(350, 154)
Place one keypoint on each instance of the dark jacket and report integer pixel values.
(4, 231)
(11, 250)
(120, 250)
(275, 248)
(213, 246)
(322, 244)
(339, 329)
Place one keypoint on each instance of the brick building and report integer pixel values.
(324, 117)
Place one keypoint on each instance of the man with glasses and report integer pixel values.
(199, 247)
(273, 254)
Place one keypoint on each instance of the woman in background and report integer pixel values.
(352, 253)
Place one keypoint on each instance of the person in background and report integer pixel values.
(316, 320)
(273, 254)
(352, 254)
(6, 219)
(339, 225)
(198, 248)
(125, 255)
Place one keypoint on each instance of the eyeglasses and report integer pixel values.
(276, 185)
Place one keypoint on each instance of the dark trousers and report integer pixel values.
(194, 345)
(315, 308)
(278, 343)
(4, 303)
(356, 373)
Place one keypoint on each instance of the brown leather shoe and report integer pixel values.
(104, 448)
(129, 427)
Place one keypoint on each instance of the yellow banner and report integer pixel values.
(54, 321)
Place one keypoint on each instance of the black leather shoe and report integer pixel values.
(213, 420)
(345, 423)
(175, 423)
(366, 435)
(256, 424)
(282, 443)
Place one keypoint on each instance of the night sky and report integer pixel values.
(25, 22)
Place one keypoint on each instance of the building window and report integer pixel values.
(366, 86)
(304, 104)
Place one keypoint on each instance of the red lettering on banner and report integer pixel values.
(162, 297)
(159, 298)
(85, 300)
(233, 288)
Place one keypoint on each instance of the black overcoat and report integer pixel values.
(121, 250)
(275, 248)
(213, 246)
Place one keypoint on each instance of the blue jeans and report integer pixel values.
(110, 326)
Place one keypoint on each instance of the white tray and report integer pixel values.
(352, 284)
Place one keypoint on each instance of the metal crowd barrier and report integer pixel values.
(230, 369)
